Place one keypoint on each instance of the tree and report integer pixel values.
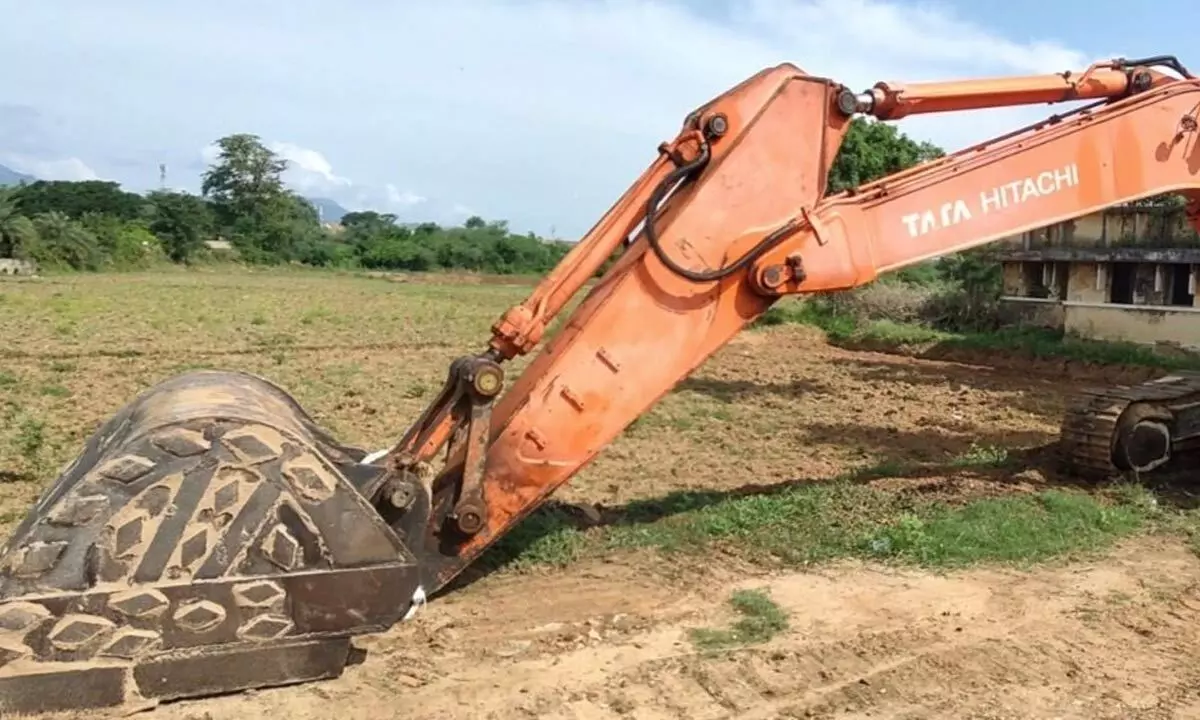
(63, 242)
(181, 221)
(244, 176)
(872, 150)
(368, 220)
(76, 199)
(17, 234)
(266, 221)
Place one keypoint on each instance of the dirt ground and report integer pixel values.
(1114, 638)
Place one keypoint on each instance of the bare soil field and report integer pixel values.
(610, 634)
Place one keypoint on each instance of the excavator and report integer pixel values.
(211, 537)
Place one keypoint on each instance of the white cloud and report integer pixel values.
(72, 168)
(209, 153)
(402, 198)
(539, 111)
(308, 170)
(920, 38)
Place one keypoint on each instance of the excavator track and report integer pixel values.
(209, 538)
(1123, 429)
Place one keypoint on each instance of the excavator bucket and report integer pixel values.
(209, 538)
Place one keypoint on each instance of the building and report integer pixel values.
(1127, 273)
(11, 266)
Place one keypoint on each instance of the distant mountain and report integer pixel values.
(330, 211)
(8, 176)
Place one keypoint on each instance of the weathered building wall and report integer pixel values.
(1082, 284)
(1050, 315)
(1118, 227)
(1132, 324)
(1122, 274)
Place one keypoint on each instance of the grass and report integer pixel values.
(803, 524)
(1012, 529)
(760, 620)
(1031, 342)
(84, 344)
(806, 523)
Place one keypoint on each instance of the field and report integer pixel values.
(798, 530)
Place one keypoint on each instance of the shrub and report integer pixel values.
(959, 294)
(898, 302)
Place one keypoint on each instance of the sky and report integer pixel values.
(540, 112)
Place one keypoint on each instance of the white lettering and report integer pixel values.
(1045, 183)
(961, 212)
(1013, 189)
(1028, 190)
(991, 199)
(928, 222)
(1066, 177)
(994, 199)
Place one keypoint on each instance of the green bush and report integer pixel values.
(958, 293)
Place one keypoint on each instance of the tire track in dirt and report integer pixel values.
(1111, 638)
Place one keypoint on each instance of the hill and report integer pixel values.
(331, 212)
(8, 176)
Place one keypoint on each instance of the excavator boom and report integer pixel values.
(210, 537)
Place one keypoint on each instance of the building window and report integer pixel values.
(1120, 287)
(1033, 280)
(1182, 287)
(1044, 280)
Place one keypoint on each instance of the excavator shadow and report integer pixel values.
(1015, 360)
(903, 385)
(729, 391)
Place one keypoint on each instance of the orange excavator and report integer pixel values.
(210, 537)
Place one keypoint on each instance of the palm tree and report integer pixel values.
(18, 237)
(65, 242)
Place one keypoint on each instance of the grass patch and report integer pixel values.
(983, 456)
(806, 524)
(548, 537)
(761, 619)
(1010, 530)
(55, 390)
(810, 524)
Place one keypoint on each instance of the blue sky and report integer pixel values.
(537, 111)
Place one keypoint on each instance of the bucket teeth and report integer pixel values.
(206, 540)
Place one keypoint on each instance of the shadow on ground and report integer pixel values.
(730, 391)
(895, 377)
(1020, 360)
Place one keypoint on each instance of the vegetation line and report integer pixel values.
(855, 328)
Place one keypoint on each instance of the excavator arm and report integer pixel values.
(211, 537)
(747, 221)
